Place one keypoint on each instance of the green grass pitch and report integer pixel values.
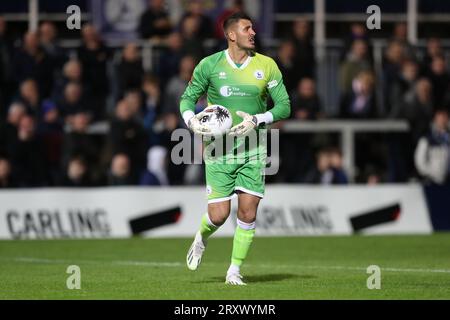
(412, 267)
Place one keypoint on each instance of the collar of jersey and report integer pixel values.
(233, 65)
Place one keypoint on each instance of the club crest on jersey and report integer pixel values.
(259, 74)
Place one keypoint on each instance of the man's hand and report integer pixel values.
(197, 127)
(248, 123)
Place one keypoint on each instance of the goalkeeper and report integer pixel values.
(240, 80)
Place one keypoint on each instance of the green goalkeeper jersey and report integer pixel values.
(243, 88)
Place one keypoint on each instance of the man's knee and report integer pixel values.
(247, 214)
(248, 205)
(218, 212)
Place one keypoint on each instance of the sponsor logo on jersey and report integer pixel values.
(225, 91)
(222, 75)
(228, 91)
(259, 74)
(272, 84)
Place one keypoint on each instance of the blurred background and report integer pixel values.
(96, 106)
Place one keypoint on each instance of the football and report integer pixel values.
(217, 118)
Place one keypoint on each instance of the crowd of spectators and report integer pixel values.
(415, 87)
(51, 97)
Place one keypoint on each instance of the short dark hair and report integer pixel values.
(233, 18)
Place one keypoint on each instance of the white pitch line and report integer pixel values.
(180, 264)
(149, 263)
(118, 262)
(361, 268)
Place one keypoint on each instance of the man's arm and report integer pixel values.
(197, 86)
(277, 90)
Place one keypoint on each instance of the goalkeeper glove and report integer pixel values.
(248, 124)
(193, 122)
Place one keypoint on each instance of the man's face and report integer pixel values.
(243, 34)
(441, 120)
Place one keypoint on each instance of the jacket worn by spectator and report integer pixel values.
(432, 156)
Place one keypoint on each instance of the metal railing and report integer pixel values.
(347, 130)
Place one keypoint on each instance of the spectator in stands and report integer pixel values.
(73, 102)
(15, 113)
(50, 117)
(440, 80)
(156, 172)
(51, 132)
(134, 100)
(434, 49)
(358, 31)
(8, 129)
(79, 143)
(127, 135)
(400, 35)
(306, 104)
(296, 150)
(304, 59)
(432, 155)
(6, 71)
(286, 63)
(94, 57)
(48, 41)
(154, 23)
(360, 102)
(30, 97)
(31, 61)
(194, 173)
(163, 128)
(205, 28)
(77, 173)
(170, 58)
(6, 180)
(130, 70)
(26, 155)
(356, 61)
(392, 65)
(371, 175)
(235, 6)
(328, 168)
(418, 108)
(120, 173)
(192, 45)
(336, 165)
(177, 84)
(152, 101)
(72, 72)
(402, 84)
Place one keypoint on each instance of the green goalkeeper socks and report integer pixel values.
(241, 245)
(207, 228)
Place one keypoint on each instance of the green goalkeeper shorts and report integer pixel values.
(224, 180)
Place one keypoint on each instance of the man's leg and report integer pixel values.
(217, 214)
(243, 236)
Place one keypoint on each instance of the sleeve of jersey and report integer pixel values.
(197, 86)
(277, 90)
